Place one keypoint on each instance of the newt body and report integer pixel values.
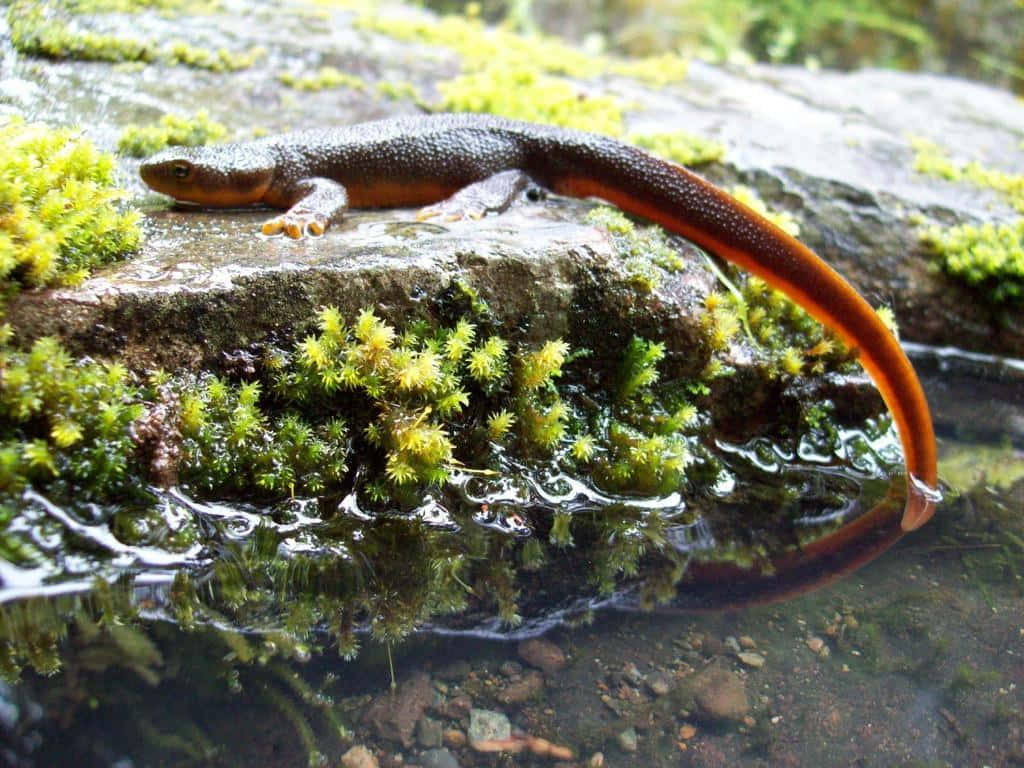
(472, 164)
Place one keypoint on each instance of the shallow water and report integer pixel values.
(917, 658)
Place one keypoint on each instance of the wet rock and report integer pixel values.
(751, 659)
(453, 737)
(393, 716)
(510, 668)
(486, 725)
(719, 694)
(429, 732)
(732, 644)
(359, 757)
(455, 672)
(659, 683)
(627, 740)
(438, 758)
(527, 687)
(747, 642)
(457, 707)
(542, 654)
(631, 674)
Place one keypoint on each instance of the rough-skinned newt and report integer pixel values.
(474, 164)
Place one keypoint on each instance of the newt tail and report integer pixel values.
(473, 164)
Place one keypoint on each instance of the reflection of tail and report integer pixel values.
(687, 205)
(714, 586)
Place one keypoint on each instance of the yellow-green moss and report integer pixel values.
(322, 79)
(522, 76)
(784, 220)
(399, 91)
(681, 147)
(52, 29)
(171, 130)
(933, 160)
(59, 212)
(524, 94)
(662, 70)
(989, 257)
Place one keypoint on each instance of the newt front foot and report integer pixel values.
(295, 225)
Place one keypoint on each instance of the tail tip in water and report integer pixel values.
(922, 499)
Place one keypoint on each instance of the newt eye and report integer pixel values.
(181, 170)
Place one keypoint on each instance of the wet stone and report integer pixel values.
(429, 732)
(631, 674)
(487, 725)
(393, 716)
(751, 659)
(542, 654)
(719, 694)
(359, 757)
(438, 758)
(455, 672)
(518, 691)
(627, 740)
(510, 668)
(659, 683)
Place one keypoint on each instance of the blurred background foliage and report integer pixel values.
(979, 39)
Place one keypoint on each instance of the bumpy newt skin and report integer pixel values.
(472, 164)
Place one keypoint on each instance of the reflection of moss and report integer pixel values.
(171, 130)
(59, 216)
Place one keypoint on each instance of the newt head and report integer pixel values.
(218, 176)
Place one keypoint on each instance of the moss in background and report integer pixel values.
(989, 257)
(519, 76)
(59, 213)
(322, 79)
(681, 147)
(171, 130)
(933, 160)
(52, 29)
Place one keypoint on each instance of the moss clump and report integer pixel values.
(664, 69)
(520, 76)
(51, 29)
(322, 79)
(65, 426)
(932, 160)
(989, 257)
(171, 130)
(58, 207)
(399, 91)
(681, 147)
(645, 251)
(524, 94)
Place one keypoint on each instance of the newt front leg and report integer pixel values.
(312, 204)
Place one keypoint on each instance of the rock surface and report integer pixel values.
(829, 147)
(393, 716)
(719, 694)
(542, 654)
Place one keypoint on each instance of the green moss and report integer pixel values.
(989, 257)
(681, 147)
(522, 77)
(399, 91)
(322, 79)
(171, 130)
(523, 93)
(59, 213)
(65, 427)
(661, 70)
(931, 159)
(53, 30)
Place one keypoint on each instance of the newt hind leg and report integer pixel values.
(314, 204)
(491, 195)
